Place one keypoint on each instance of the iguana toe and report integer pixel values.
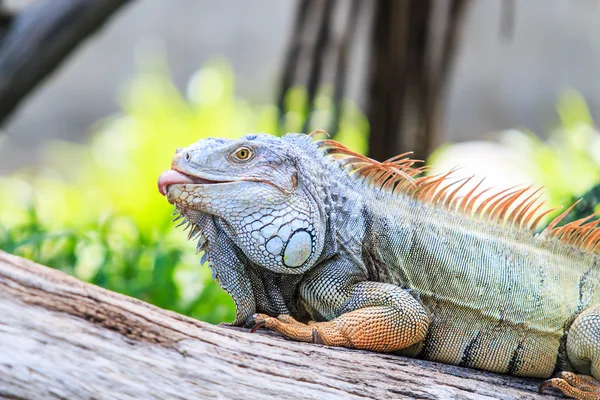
(286, 326)
(288, 319)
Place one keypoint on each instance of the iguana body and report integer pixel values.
(374, 257)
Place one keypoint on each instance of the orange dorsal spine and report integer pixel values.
(399, 175)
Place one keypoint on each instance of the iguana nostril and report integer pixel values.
(187, 157)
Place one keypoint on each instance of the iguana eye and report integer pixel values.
(243, 153)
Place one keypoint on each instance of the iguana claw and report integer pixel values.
(258, 325)
(256, 321)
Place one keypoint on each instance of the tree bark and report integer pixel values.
(39, 38)
(411, 57)
(63, 338)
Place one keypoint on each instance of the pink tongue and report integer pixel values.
(171, 177)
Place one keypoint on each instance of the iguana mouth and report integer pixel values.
(173, 177)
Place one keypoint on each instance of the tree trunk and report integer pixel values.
(412, 47)
(39, 38)
(63, 338)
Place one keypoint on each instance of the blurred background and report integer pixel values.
(96, 96)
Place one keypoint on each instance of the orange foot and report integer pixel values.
(581, 387)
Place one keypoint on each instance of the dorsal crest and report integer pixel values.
(516, 207)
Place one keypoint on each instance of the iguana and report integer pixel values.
(324, 245)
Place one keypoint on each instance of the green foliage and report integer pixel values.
(94, 210)
(353, 126)
(567, 164)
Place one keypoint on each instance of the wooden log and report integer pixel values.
(63, 338)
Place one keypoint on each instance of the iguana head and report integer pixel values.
(258, 187)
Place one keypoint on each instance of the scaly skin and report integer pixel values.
(375, 260)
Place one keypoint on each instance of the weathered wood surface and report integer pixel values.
(63, 338)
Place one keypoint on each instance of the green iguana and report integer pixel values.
(327, 246)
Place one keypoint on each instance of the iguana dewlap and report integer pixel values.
(327, 246)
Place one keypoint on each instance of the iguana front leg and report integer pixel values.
(362, 315)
